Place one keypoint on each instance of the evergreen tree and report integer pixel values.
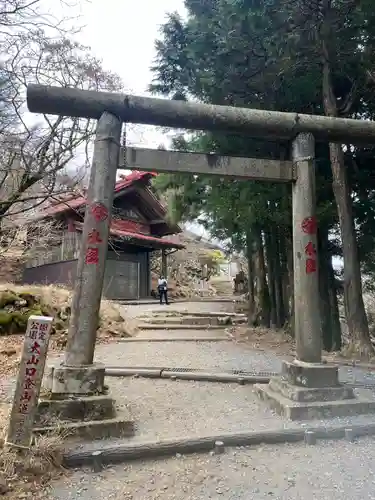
(284, 55)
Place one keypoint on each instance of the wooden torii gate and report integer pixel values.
(307, 387)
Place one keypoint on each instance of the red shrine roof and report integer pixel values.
(74, 202)
(162, 242)
(134, 236)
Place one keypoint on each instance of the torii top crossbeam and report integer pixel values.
(273, 125)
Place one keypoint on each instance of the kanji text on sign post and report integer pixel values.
(29, 381)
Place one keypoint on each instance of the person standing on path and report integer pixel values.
(163, 289)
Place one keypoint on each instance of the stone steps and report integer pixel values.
(176, 326)
(185, 312)
(193, 320)
(214, 314)
(178, 336)
(167, 320)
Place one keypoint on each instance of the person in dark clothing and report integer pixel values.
(163, 289)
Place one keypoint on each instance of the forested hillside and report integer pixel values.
(308, 56)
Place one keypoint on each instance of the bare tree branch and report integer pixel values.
(36, 153)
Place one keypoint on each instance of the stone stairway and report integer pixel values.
(187, 323)
(223, 286)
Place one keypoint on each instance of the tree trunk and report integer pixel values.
(325, 305)
(284, 276)
(354, 307)
(335, 313)
(289, 280)
(280, 304)
(329, 304)
(285, 251)
(353, 299)
(250, 279)
(271, 274)
(263, 299)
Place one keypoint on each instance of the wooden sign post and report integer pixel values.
(29, 381)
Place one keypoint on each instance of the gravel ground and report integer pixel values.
(163, 409)
(207, 355)
(210, 355)
(328, 471)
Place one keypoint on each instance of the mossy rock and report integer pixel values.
(30, 298)
(20, 319)
(8, 298)
(16, 321)
(16, 309)
(6, 325)
(5, 318)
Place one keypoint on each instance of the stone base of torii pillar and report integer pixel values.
(308, 388)
(308, 391)
(78, 404)
(77, 400)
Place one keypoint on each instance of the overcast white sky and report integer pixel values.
(122, 33)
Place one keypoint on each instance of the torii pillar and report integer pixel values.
(78, 375)
(307, 388)
(76, 385)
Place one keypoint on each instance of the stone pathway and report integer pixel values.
(177, 409)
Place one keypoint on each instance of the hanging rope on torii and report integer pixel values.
(305, 381)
